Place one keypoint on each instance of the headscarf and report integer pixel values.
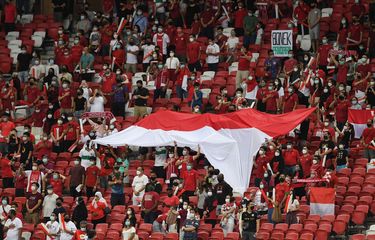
(101, 199)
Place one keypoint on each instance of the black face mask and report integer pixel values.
(282, 180)
(59, 204)
(369, 125)
(153, 178)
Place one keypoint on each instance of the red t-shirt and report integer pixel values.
(261, 162)
(92, 174)
(239, 16)
(79, 235)
(171, 201)
(180, 42)
(368, 135)
(323, 54)
(149, 199)
(243, 63)
(290, 157)
(107, 171)
(343, 34)
(10, 13)
(192, 52)
(355, 32)
(364, 69)
(72, 128)
(66, 102)
(76, 52)
(68, 61)
(5, 128)
(32, 94)
(306, 162)
(301, 12)
(342, 111)
(190, 178)
(206, 16)
(37, 118)
(6, 170)
(271, 104)
(108, 82)
(290, 102)
(289, 64)
(57, 186)
(281, 189)
(341, 73)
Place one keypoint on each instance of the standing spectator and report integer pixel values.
(6, 127)
(4, 213)
(149, 204)
(116, 182)
(173, 65)
(10, 16)
(301, 11)
(13, 226)
(161, 40)
(148, 48)
(190, 228)
(141, 96)
(368, 136)
(77, 178)
(131, 57)
(53, 227)
(70, 228)
(193, 54)
(59, 8)
(239, 16)
(160, 161)
(83, 25)
(250, 23)
(212, 51)
(197, 96)
(80, 212)
(23, 63)
(87, 61)
(139, 184)
(49, 203)
(33, 204)
(207, 20)
(243, 66)
(96, 208)
(291, 157)
(141, 21)
(313, 19)
(92, 176)
(221, 190)
(120, 97)
(249, 222)
(355, 34)
(272, 65)
(228, 211)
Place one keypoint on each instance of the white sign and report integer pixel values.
(281, 42)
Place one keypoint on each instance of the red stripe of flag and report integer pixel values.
(121, 25)
(360, 116)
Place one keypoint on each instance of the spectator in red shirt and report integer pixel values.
(7, 172)
(343, 33)
(92, 177)
(149, 204)
(368, 138)
(290, 63)
(183, 75)
(220, 38)
(282, 190)
(355, 34)
(323, 53)
(239, 15)
(300, 13)
(66, 98)
(260, 165)
(222, 101)
(207, 19)
(291, 157)
(6, 127)
(271, 99)
(306, 162)
(341, 109)
(193, 54)
(358, 9)
(190, 178)
(243, 66)
(96, 208)
(290, 100)
(180, 42)
(10, 15)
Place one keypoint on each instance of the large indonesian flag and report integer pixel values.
(229, 141)
(359, 118)
(322, 201)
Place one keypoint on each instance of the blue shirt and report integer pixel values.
(198, 100)
(191, 235)
(119, 93)
(272, 65)
(141, 21)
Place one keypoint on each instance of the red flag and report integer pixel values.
(359, 118)
(62, 221)
(322, 201)
(121, 25)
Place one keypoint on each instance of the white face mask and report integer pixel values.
(76, 162)
(315, 161)
(45, 160)
(184, 152)
(277, 154)
(304, 151)
(265, 175)
(160, 30)
(59, 122)
(171, 155)
(326, 124)
(227, 200)
(261, 152)
(33, 188)
(49, 191)
(191, 39)
(52, 218)
(185, 207)
(209, 194)
(4, 202)
(261, 186)
(70, 118)
(34, 168)
(138, 172)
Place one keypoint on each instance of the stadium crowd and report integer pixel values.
(97, 73)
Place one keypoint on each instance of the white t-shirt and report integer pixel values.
(37, 70)
(281, 92)
(165, 41)
(147, 50)
(126, 233)
(259, 36)
(232, 42)
(140, 182)
(97, 105)
(49, 204)
(53, 228)
(85, 155)
(70, 226)
(214, 48)
(160, 156)
(130, 57)
(2, 210)
(172, 63)
(28, 173)
(13, 233)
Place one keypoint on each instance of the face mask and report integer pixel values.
(184, 152)
(326, 124)
(369, 125)
(36, 62)
(191, 216)
(261, 152)
(118, 72)
(324, 41)
(227, 200)
(209, 194)
(315, 161)
(45, 160)
(265, 175)
(306, 59)
(189, 168)
(35, 168)
(50, 191)
(191, 39)
(82, 17)
(65, 85)
(55, 176)
(4, 202)
(83, 229)
(304, 151)
(290, 55)
(185, 207)
(171, 54)
(160, 30)
(354, 102)
(316, 81)
(33, 188)
(52, 218)
(70, 118)
(138, 172)
(341, 88)
(290, 90)
(59, 122)
(261, 186)
(239, 94)
(277, 154)
(76, 41)
(76, 162)
(341, 146)
(49, 115)
(289, 146)
(329, 84)
(270, 88)
(171, 155)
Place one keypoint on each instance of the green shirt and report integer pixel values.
(86, 60)
(250, 24)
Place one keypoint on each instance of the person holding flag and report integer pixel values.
(291, 208)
